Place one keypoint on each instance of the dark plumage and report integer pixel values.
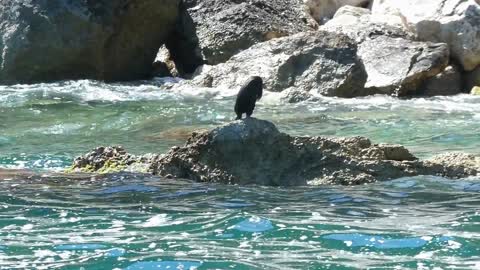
(250, 92)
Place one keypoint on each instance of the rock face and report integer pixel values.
(447, 82)
(312, 62)
(323, 10)
(456, 22)
(252, 151)
(395, 64)
(212, 31)
(50, 40)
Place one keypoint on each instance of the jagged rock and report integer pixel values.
(323, 10)
(312, 62)
(253, 151)
(49, 40)
(455, 22)
(212, 31)
(447, 82)
(395, 64)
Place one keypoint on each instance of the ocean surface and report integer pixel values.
(49, 220)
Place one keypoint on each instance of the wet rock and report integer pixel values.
(457, 163)
(49, 40)
(212, 31)
(396, 65)
(455, 22)
(323, 10)
(312, 62)
(253, 151)
(447, 82)
(111, 159)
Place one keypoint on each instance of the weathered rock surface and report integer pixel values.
(212, 31)
(50, 40)
(323, 10)
(447, 82)
(253, 151)
(312, 62)
(112, 159)
(456, 22)
(395, 64)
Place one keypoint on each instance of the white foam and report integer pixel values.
(157, 221)
(176, 90)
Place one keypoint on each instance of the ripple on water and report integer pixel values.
(234, 203)
(80, 247)
(254, 224)
(365, 240)
(164, 265)
(127, 188)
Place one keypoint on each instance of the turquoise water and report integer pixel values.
(127, 221)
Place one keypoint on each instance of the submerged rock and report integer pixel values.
(49, 40)
(253, 151)
(212, 31)
(312, 62)
(396, 65)
(455, 22)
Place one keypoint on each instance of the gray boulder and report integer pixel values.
(253, 151)
(212, 31)
(396, 65)
(48, 40)
(312, 62)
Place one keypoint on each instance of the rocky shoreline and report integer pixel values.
(344, 48)
(253, 151)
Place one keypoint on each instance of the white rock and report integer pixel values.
(323, 10)
(455, 22)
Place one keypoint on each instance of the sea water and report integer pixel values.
(132, 221)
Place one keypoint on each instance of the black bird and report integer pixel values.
(250, 92)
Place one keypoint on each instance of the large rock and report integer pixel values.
(252, 151)
(395, 64)
(312, 62)
(212, 31)
(323, 10)
(456, 22)
(49, 40)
